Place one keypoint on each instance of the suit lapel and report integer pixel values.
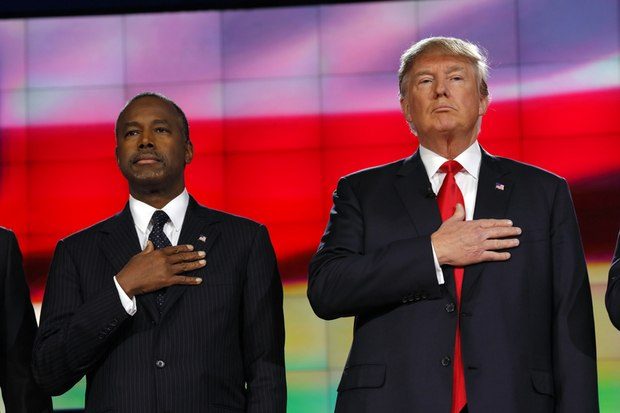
(198, 230)
(119, 244)
(492, 198)
(415, 191)
(121, 241)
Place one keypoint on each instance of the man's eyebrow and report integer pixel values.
(455, 68)
(129, 124)
(450, 69)
(137, 124)
(422, 73)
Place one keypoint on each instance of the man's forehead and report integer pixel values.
(448, 61)
(148, 105)
(152, 120)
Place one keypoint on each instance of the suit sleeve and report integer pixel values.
(19, 391)
(574, 347)
(75, 333)
(345, 280)
(612, 296)
(263, 330)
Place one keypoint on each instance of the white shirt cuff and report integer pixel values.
(129, 304)
(438, 269)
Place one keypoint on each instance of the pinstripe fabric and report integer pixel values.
(215, 347)
(17, 330)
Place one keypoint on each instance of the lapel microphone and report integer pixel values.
(430, 193)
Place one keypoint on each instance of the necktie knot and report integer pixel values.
(451, 167)
(159, 219)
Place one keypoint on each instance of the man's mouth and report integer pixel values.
(146, 159)
(443, 108)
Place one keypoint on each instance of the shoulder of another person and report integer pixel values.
(5, 234)
(6, 239)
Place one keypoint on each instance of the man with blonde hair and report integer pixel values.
(464, 271)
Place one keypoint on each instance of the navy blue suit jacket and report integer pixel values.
(526, 324)
(612, 297)
(216, 347)
(17, 331)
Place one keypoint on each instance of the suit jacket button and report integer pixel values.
(446, 361)
(160, 364)
(450, 307)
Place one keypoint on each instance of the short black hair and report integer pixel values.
(180, 113)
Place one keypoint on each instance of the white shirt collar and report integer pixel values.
(469, 159)
(142, 212)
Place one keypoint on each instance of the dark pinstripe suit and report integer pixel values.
(216, 347)
(17, 330)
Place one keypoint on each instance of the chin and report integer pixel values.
(148, 179)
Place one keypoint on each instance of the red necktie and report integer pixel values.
(449, 195)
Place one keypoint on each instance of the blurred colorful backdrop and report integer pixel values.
(284, 101)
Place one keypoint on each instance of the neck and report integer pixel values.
(447, 146)
(155, 197)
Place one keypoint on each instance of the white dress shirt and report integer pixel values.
(141, 214)
(466, 180)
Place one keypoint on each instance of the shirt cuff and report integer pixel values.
(129, 304)
(438, 269)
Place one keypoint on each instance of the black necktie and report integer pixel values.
(159, 240)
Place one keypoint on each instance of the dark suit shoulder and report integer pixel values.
(6, 234)
(227, 218)
(7, 239)
(531, 182)
(365, 177)
(378, 170)
(526, 170)
(89, 234)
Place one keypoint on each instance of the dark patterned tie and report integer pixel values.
(159, 240)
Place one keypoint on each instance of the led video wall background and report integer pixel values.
(284, 101)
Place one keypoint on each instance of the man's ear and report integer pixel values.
(118, 162)
(484, 105)
(189, 151)
(404, 108)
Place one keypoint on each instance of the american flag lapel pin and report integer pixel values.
(499, 187)
(202, 238)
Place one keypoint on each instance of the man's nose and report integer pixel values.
(441, 88)
(146, 140)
